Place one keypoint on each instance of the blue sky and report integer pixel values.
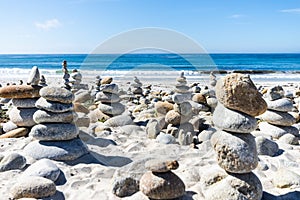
(79, 26)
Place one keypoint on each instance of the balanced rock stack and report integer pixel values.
(23, 98)
(276, 120)
(55, 132)
(239, 103)
(160, 182)
(136, 87)
(75, 81)
(182, 111)
(109, 100)
(212, 79)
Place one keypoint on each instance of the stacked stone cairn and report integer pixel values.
(160, 182)
(109, 101)
(212, 79)
(136, 88)
(277, 121)
(75, 81)
(178, 118)
(66, 75)
(239, 103)
(23, 98)
(56, 135)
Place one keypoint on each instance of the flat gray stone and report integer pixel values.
(53, 106)
(56, 150)
(34, 76)
(110, 88)
(33, 187)
(24, 103)
(54, 131)
(180, 98)
(105, 97)
(22, 116)
(236, 152)
(118, 121)
(278, 118)
(12, 161)
(53, 93)
(43, 116)
(265, 146)
(43, 168)
(233, 121)
(112, 108)
(283, 105)
(277, 131)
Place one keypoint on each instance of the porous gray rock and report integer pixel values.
(125, 186)
(236, 152)
(33, 187)
(230, 120)
(54, 131)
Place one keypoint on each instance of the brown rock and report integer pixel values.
(165, 185)
(238, 92)
(19, 132)
(20, 91)
(199, 98)
(106, 80)
(158, 165)
(173, 117)
(80, 108)
(163, 107)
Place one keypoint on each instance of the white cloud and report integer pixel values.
(294, 10)
(236, 16)
(49, 24)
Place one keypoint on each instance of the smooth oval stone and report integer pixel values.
(165, 138)
(33, 187)
(34, 76)
(110, 88)
(161, 185)
(82, 96)
(105, 97)
(275, 92)
(76, 75)
(53, 106)
(153, 128)
(54, 131)
(158, 165)
(277, 131)
(43, 168)
(199, 98)
(20, 91)
(234, 121)
(278, 118)
(106, 80)
(137, 90)
(180, 98)
(56, 150)
(236, 152)
(22, 116)
(182, 89)
(61, 95)
(283, 105)
(112, 108)
(12, 161)
(18, 132)
(24, 103)
(173, 117)
(265, 146)
(118, 121)
(43, 116)
(237, 92)
(163, 107)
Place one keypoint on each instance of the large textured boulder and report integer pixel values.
(237, 91)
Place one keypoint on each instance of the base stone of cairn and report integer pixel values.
(55, 133)
(239, 103)
(182, 112)
(23, 99)
(277, 121)
(160, 182)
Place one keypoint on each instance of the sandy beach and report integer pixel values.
(118, 152)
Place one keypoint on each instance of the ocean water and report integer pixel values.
(277, 66)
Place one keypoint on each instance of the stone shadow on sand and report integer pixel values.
(288, 196)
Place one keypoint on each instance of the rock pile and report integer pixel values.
(109, 101)
(276, 120)
(239, 102)
(75, 81)
(55, 132)
(160, 182)
(23, 99)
